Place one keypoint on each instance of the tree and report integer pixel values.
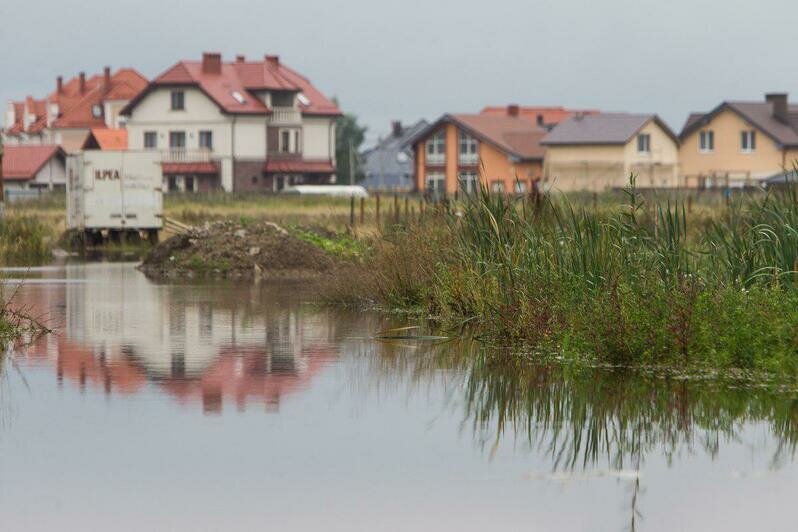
(348, 135)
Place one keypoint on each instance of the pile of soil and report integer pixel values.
(227, 249)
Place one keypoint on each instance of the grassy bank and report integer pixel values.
(641, 282)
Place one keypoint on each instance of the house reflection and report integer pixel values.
(210, 345)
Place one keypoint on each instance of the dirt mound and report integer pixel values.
(227, 249)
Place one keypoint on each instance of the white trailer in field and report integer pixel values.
(113, 194)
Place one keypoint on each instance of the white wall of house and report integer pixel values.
(51, 175)
(250, 137)
(318, 138)
(240, 137)
(200, 113)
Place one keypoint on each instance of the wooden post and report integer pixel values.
(2, 190)
(395, 207)
(351, 211)
(407, 206)
(377, 215)
(362, 210)
(689, 203)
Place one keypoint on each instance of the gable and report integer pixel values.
(156, 106)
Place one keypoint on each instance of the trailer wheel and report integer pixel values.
(152, 236)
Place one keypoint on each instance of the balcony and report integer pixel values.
(468, 159)
(286, 115)
(182, 155)
(436, 159)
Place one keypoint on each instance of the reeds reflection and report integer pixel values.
(592, 422)
(586, 417)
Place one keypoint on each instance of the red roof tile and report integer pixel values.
(548, 115)
(190, 168)
(106, 139)
(24, 162)
(245, 78)
(74, 108)
(299, 166)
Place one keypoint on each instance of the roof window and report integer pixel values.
(303, 99)
(237, 96)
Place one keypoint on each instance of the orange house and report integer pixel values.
(460, 151)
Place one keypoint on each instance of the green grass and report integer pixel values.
(25, 239)
(342, 246)
(643, 282)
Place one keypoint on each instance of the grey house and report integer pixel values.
(388, 166)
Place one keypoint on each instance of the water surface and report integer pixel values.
(249, 407)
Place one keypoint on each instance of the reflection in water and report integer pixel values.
(209, 347)
(595, 423)
(210, 344)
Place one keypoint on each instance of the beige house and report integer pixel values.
(600, 151)
(739, 143)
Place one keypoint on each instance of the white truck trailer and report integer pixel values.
(115, 194)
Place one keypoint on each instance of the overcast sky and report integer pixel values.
(411, 59)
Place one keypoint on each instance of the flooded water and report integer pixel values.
(237, 407)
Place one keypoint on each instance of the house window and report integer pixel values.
(748, 141)
(436, 182)
(436, 147)
(178, 100)
(497, 186)
(467, 146)
(177, 139)
(520, 187)
(206, 140)
(706, 141)
(296, 141)
(468, 182)
(289, 141)
(644, 143)
(150, 140)
(97, 110)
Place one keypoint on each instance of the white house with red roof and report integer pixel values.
(67, 115)
(34, 167)
(240, 126)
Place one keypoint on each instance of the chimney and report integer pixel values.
(396, 127)
(82, 78)
(59, 85)
(212, 63)
(513, 110)
(273, 60)
(779, 101)
(240, 59)
(541, 122)
(107, 79)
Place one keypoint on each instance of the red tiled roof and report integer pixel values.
(106, 139)
(24, 162)
(190, 168)
(298, 166)
(548, 115)
(245, 78)
(74, 107)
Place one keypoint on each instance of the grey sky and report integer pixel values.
(414, 59)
